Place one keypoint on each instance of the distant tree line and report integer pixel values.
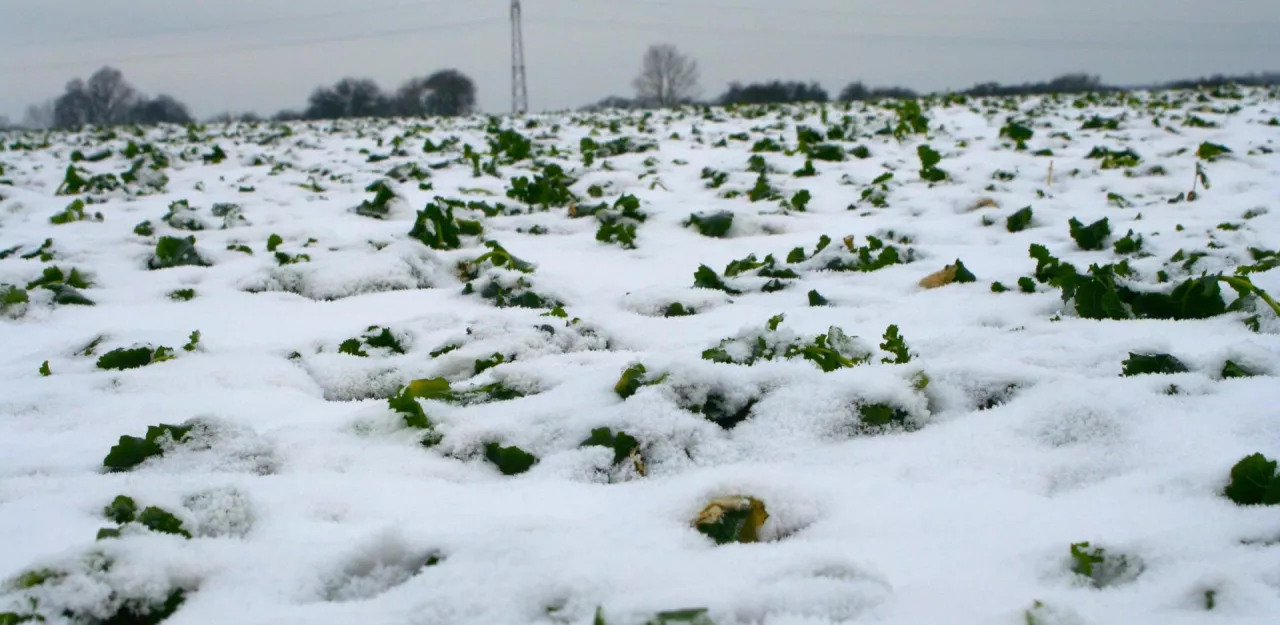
(107, 99)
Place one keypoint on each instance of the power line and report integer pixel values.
(292, 19)
(792, 7)
(864, 36)
(396, 32)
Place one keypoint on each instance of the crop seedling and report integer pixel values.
(929, 160)
(881, 415)
(1019, 133)
(547, 189)
(1231, 370)
(707, 278)
(1019, 221)
(1254, 482)
(1129, 244)
(1124, 159)
(734, 519)
(1148, 364)
(1211, 151)
(633, 378)
(174, 252)
(816, 299)
(73, 213)
(132, 451)
(1091, 237)
(1099, 568)
(714, 225)
(509, 460)
(380, 206)
(896, 345)
(437, 228)
(497, 256)
(622, 444)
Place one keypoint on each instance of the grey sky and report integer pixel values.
(219, 55)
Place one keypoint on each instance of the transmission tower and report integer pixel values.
(519, 88)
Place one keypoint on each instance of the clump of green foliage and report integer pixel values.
(123, 510)
(547, 189)
(175, 252)
(1254, 482)
(64, 285)
(831, 351)
(622, 444)
(518, 295)
(714, 225)
(1019, 221)
(1099, 568)
(1091, 237)
(122, 359)
(1149, 364)
(1129, 244)
(1211, 151)
(895, 344)
(732, 520)
(929, 160)
(497, 257)
(375, 337)
(707, 278)
(509, 460)
(380, 206)
(1100, 294)
(132, 451)
(633, 378)
(183, 295)
(1111, 159)
(1018, 132)
(437, 228)
(73, 213)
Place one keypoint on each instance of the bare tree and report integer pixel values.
(667, 77)
(110, 97)
(350, 97)
(104, 100)
(446, 93)
(163, 109)
(38, 116)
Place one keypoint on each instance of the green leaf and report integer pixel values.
(707, 278)
(122, 359)
(1211, 151)
(1091, 237)
(485, 364)
(158, 520)
(44, 370)
(509, 460)
(622, 443)
(193, 341)
(1085, 559)
(631, 381)
(122, 510)
(130, 452)
(1149, 364)
(1026, 285)
(676, 309)
(714, 225)
(274, 242)
(896, 345)
(1233, 370)
(963, 275)
(1019, 221)
(175, 252)
(1254, 481)
(816, 299)
(880, 415)
(1129, 244)
(732, 520)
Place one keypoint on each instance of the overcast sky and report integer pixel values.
(265, 55)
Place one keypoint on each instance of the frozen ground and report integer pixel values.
(309, 499)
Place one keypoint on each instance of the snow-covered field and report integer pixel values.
(942, 477)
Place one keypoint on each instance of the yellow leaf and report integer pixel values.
(940, 279)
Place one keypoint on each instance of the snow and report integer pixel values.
(309, 500)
